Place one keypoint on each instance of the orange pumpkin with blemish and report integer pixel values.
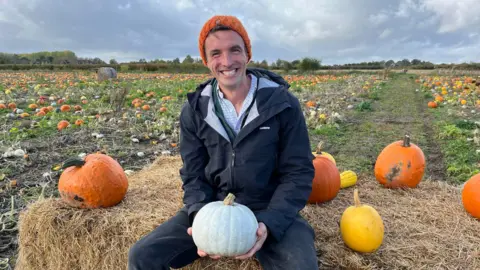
(98, 181)
(400, 164)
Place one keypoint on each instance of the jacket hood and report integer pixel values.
(269, 75)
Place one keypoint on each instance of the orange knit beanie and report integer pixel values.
(229, 21)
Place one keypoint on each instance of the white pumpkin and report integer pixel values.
(225, 228)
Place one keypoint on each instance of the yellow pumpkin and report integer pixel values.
(319, 152)
(361, 227)
(348, 179)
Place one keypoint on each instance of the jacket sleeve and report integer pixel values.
(197, 191)
(295, 172)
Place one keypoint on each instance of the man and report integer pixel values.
(241, 132)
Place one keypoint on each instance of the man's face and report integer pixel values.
(226, 58)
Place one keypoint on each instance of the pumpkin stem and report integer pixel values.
(319, 148)
(356, 198)
(73, 162)
(229, 199)
(406, 141)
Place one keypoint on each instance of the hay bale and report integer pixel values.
(106, 73)
(425, 228)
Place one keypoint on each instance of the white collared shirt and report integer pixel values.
(234, 120)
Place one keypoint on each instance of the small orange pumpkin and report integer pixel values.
(2, 106)
(400, 164)
(432, 104)
(62, 124)
(326, 182)
(65, 108)
(98, 181)
(471, 196)
(79, 122)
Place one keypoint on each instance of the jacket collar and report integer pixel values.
(271, 92)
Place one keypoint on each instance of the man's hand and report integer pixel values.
(202, 253)
(262, 234)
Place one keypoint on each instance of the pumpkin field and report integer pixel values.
(47, 118)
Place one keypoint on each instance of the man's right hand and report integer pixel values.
(201, 253)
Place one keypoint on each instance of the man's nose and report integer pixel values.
(227, 59)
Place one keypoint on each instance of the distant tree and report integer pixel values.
(309, 64)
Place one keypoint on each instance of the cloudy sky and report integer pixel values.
(340, 31)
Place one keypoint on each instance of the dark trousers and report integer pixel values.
(169, 245)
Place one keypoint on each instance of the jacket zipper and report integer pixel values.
(232, 164)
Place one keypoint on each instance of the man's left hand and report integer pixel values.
(262, 234)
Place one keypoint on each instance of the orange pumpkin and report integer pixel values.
(62, 124)
(326, 182)
(79, 122)
(471, 196)
(65, 108)
(2, 106)
(400, 164)
(98, 181)
(432, 104)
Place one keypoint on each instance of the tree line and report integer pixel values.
(68, 60)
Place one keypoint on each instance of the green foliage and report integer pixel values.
(364, 106)
(309, 64)
(465, 124)
(428, 95)
(450, 132)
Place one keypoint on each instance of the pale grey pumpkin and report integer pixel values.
(225, 228)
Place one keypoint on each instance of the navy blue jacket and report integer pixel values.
(268, 166)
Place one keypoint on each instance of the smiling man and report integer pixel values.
(241, 132)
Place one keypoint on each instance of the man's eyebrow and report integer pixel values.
(233, 47)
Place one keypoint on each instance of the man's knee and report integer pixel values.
(136, 256)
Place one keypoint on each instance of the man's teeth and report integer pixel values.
(229, 72)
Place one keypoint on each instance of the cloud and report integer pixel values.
(337, 32)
